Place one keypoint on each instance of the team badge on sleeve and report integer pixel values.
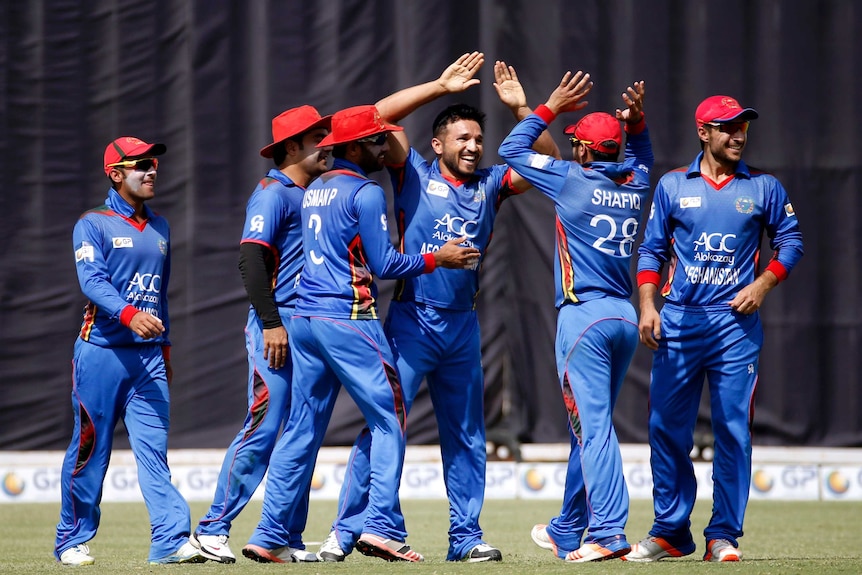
(85, 253)
(788, 210)
(538, 161)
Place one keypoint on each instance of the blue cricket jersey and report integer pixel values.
(345, 240)
(121, 263)
(598, 210)
(272, 219)
(431, 210)
(710, 234)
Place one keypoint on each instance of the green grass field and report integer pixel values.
(781, 538)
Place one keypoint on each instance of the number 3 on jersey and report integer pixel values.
(314, 223)
(629, 229)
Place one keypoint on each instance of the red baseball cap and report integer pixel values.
(356, 123)
(293, 122)
(129, 148)
(598, 131)
(722, 109)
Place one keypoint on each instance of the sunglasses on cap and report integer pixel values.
(729, 127)
(141, 164)
(576, 141)
(376, 139)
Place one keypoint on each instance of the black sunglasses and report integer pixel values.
(143, 164)
(377, 139)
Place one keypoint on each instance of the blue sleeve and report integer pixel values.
(93, 275)
(782, 227)
(263, 213)
(654, 251)
(370, 205)
(639, 147)
(545, 173)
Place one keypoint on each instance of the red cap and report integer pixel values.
(293, 122)
(356, 123)
(129, 148)
(722, 109)
(601, 130)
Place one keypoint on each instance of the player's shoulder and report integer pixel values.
(98, 211)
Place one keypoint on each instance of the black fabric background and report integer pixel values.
(206, 77)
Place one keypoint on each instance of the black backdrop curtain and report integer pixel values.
(206, 77)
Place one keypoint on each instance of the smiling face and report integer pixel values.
(459, 146)
(136, 184)
(313, 159)
(724, 142)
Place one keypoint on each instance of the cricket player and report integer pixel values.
(432, 323)
(598, 202)
(706, 225)
(121, 367)
(270, 262)
(337, 339)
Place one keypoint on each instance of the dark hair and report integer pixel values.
(454, 113)
(279, 153)
(339, 150)
(604, 156)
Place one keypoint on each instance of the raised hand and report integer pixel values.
(459, 75)
(568, 96)
(509, 89)
(633, 97)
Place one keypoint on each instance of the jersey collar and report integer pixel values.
(694, 168)
(120, 206)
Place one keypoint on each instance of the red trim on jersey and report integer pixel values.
(649, 277)
(127, 314)
(665, 290)
(89, 320)
(454, 181)
(360, 281)
(715, 185)
(567, 270)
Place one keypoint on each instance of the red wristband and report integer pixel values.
(648, 277)
(637, 127)
(430, 263)
(545, 114)
(127, 314)
(777, 268)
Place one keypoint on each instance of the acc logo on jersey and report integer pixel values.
(256, 224)
(122, 242)
(437, 189)
(457, 225)
(716, 242)
(85, 253)
(689, 202)
(146, 282)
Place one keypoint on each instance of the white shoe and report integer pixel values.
(330, 550)
(77, 555)
(652, 549)
(213, 547)
(188, 553)
(721, 550)
(539, 535)
(278, 555)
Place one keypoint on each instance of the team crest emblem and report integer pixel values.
(163, 247)
(744, 205)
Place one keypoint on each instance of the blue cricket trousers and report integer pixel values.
(110, 384)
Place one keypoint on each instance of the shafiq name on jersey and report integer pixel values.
(612, 199)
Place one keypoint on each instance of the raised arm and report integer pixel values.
(457, 77)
